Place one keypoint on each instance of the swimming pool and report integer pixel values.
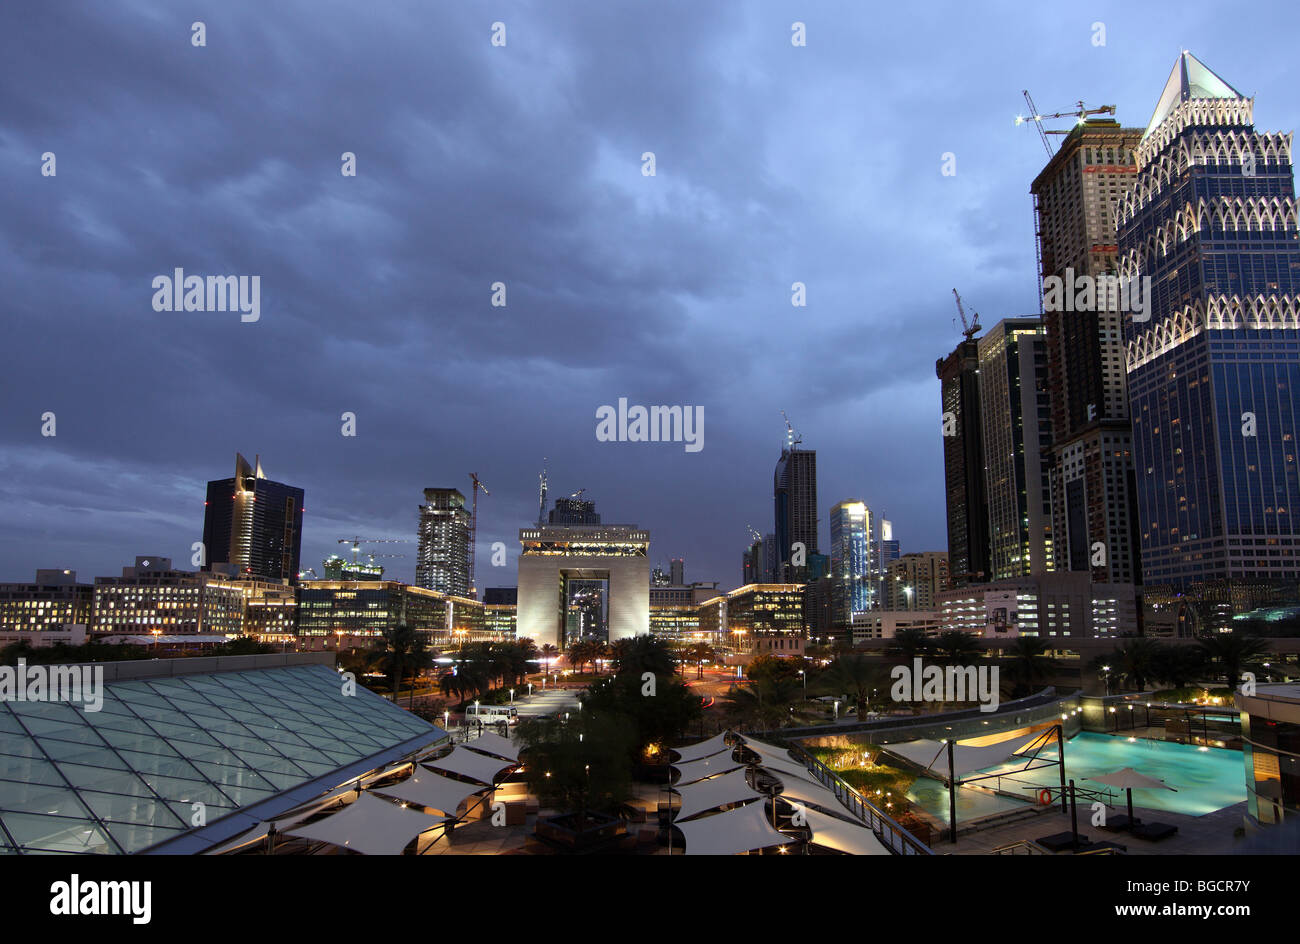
(1206, 779)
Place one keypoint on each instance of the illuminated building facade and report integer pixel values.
(53, 600)
(358, 611)
(851, 570)
(152, 597)
(252, 525)
(442, 561)
(554, 556)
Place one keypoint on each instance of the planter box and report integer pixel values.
(600, 832)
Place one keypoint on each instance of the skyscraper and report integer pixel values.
(442, 560)
(1090, 463)
(677, 571)
(851, 566)
(252, 525)
(1214, 362)
(963, 464)
(794, 490)
(1016, 430)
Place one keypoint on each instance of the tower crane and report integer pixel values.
(578, 493)
(1080, 114)
(792, 439)
(473, 527)
(358, 541)
(758, 538)
(969, 328)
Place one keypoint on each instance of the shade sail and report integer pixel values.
(470, 764)
(370, 826)
(804, 793)
(732, 833)
(843, 836)
(714, 745)
(760, 747)
(781, 766)
(426, 788)
(933, 755)
(710, 794)
(1130, 779)
(705, 767)
(489, 743)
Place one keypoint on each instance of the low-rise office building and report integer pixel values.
(154, 598)
(52, 600)
(1061, 605)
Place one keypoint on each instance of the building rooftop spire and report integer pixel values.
(1189, 79)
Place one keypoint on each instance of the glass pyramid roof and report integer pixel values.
(127, 777)
(1189, 79)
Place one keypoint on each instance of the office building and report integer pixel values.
(851, 570)
(252, 525)
(1090, 463)
(1014, 414)
(556, 561)
(1214, 361)
(794, 490)
(913, 580)
(348, 613)
(153, 598)
(53, 600)
(1057, 605)
(442, 555)
(963, 464)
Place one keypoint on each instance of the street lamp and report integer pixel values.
(1106, 669)
(512, 696)
(908, 590)
(804, 675)
(837, 710)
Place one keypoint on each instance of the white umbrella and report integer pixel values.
(1129, 779)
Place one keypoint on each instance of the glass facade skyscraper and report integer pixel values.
(794, 492)
(1214, 362)
(850, 561)
(253, 525)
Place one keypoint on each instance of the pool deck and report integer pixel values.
(1211, 834)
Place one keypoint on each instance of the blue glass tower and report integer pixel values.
(850, 561)
(1213, 363)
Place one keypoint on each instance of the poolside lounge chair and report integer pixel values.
(1099, 846)
(1066, 840)
(1154, 831)
(1119, 822)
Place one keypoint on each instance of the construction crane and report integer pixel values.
(969, 328)
(578, 494)
(473, 526)
(791, 438)
(1080, 115)
(541, 494)
(758, 538)
(357, 542)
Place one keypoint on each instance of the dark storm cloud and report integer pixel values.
(522, 164)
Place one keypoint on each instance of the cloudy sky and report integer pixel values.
(522, 164)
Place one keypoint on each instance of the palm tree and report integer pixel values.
(910, 643)
(1027, 664)
(956, 647)
(643, 654)
(1232, 651)
(856, 678)
(1178, 665)
(404, 650)
(700, 653)
(1136, 660)
(548, 653)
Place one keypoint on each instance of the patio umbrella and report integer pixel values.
(1129, 780)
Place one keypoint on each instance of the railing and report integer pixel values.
(895, 837)
(1021, 847)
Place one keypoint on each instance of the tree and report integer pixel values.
(548, 653)
(910, 643)
(639, 654)
(1178, 665)
(700, 653)
(1135, 661)
(403, 650)
(578, 766)
(956, 647)
(857, 679)
(1231, 651)
(1027, 664)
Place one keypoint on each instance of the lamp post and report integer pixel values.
(512, 696)
(1106, 669)
(804, 675)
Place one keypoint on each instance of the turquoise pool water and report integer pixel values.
(1206, 780)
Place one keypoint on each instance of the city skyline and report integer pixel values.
(151, 418)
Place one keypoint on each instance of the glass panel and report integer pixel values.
(58, 834)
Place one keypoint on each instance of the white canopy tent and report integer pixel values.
(761, 747)
(843, 836)
(489, 743)
(710, 794)
(933, 755)
(471, 764)
(370, 826)
(714, 745)
(731, 833)
(426, 788)
(705, 767)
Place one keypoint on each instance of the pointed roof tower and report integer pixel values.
(1189, 79)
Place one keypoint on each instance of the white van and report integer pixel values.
(491, 714)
